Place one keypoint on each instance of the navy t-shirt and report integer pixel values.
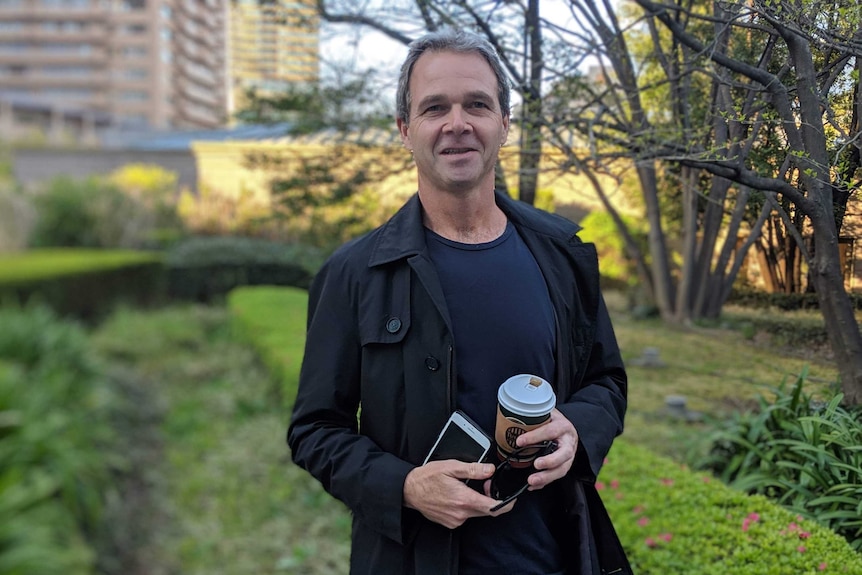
(503, 325)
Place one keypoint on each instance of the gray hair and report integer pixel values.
(449, 41)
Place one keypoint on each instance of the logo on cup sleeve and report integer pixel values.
(512, 435)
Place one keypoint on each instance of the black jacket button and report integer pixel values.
(432, 363)
(393, 325)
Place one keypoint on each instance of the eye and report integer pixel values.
(480, 105)
(433, 109)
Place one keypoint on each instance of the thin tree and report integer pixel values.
(819, 45)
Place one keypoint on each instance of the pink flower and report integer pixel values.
(666, 481)
(793, 526)
(752, 518)
(638, 509)
(822, 566)
(606, 461)
(643, 521)
(801, 549)
(600, 486)
(615, 483)
(804, 534)
(650, 542)
(666, 537)
(620, 496)
(706, 479)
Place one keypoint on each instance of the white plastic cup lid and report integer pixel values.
(527, 395)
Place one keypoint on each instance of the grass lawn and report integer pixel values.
(237, 506)
(717, 370)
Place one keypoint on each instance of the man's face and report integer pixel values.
(456, 127)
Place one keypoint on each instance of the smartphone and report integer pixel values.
(460, 439)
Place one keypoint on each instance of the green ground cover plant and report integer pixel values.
(57, 452)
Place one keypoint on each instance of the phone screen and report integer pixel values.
(455, 443)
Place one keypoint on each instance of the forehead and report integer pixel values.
(446, 73)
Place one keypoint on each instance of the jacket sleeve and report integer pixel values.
(323, 433)
(598, 406)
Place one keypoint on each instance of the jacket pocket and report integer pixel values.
(384, 311)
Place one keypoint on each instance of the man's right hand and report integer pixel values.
(437, 490)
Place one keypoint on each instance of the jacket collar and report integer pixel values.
(404, 234)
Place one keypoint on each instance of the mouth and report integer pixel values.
(456, 151)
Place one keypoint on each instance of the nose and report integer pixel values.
(458, 121)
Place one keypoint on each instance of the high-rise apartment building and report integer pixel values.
(144, 63)
(274, 44)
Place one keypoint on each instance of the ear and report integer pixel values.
(405, 135)
(505, 130)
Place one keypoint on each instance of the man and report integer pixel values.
(461, 289)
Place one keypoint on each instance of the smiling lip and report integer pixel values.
(453, 151)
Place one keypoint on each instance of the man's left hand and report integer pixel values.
(555, 465)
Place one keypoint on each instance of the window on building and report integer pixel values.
(134, 96)
(133, 51)
(135, 29)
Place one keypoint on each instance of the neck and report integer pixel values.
(467, 219)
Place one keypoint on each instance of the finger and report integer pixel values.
(542, 478)
(473, 470)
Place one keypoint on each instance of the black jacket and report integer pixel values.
(379, 343)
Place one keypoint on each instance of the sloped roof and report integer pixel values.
(166, 140)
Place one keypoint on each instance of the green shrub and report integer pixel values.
(802, 453)
(113, 212)
(155, 190)
(56, 456)
(17, 218)
(207, 268)
(752, 298)
(793, 330)
(616, 267)
(671, 520)
(82, 283)
(65, 216)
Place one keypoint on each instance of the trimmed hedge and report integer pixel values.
(83, 283)
(674, 521)
(782, 301)
(272, 320)
(669, 519)
(205, 269)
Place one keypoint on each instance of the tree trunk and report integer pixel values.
(662, 282)
(531, 120)
(839, 317)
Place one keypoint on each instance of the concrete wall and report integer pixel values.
(34, 166)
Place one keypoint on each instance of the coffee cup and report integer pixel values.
(524, 402)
